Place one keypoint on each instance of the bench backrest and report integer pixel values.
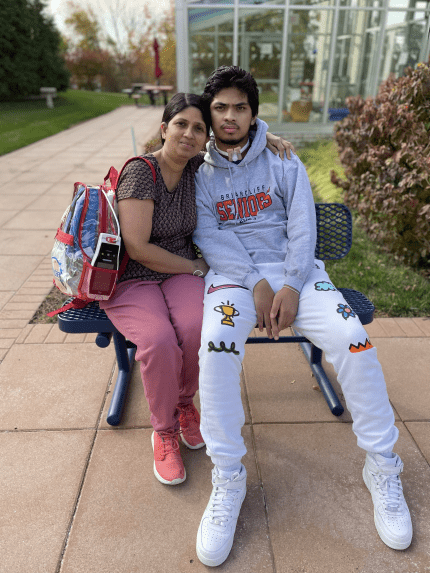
(334, 231)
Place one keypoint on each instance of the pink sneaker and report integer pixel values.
(168, 464)
(189, 420)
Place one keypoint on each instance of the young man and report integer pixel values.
(256, 229)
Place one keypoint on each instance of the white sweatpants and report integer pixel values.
(326, 320)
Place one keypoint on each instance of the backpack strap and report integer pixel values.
(132, 159)
(126, 257)
(75, 303)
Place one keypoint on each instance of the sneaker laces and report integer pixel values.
(390, 488)
(187, 416)
(170, 442)
(222, 504)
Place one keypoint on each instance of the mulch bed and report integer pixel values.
(54, 300)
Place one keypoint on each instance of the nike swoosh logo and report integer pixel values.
(212, 288)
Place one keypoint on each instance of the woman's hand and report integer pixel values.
(202, 266)
(278, 145)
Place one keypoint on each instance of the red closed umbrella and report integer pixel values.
(158, 70)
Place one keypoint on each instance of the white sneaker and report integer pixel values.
(218, 524)
(392, 517)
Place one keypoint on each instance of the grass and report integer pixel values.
(395, 289)
(24, 122)
(319, 158)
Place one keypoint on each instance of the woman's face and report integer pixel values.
(185, 134)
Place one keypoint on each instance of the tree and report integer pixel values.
(91, 66)
(117, 51)
(50, 67)
(29, 50)
(87, 32)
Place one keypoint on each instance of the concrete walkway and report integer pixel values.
(80, 497)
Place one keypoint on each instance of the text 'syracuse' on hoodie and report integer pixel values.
(258, 211)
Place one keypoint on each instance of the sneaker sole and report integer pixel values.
(190, 446)
(202, 555)
(161, 479)
(400, 546)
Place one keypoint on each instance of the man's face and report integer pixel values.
(231, 118)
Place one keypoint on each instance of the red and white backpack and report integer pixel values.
(86, 261)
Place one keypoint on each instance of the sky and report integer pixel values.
(58, 8)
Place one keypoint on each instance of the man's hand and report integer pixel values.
(263, 299)
(284, 310)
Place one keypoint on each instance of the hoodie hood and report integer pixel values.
(257, 144)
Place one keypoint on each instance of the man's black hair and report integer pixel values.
(181, 101)
(232, 77)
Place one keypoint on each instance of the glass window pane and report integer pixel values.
(272, 2)
(260, 49)
(209, 2)
(404, 37)
(312, 2)
(363, 3)
(210, 43)
(309, 34)
(401, 3)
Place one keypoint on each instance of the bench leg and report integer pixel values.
(125, 360)
(313, 356)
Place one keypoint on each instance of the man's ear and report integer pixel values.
(253, 120)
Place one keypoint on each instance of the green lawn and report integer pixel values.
(27, 121)
(320, 158)
(395, 289)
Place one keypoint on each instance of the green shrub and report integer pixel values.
(385, 151)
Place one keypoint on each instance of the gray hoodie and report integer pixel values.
(258, 211)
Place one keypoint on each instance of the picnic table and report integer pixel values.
(137, 90)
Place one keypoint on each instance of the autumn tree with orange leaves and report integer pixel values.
(112, 52)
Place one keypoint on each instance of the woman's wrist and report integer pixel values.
(196, 270)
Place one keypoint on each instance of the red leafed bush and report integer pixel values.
(384, 146)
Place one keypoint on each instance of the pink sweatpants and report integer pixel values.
(164, 320)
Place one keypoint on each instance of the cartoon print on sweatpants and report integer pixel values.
(345, 311)
(222, 347)
(228, 311)
(324, 285)
(360, 347)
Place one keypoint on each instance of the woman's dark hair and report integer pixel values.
(232, 77)
(181, 101)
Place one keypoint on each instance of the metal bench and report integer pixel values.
(334, 239)
(49, 94)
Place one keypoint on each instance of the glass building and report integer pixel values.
(306, 56)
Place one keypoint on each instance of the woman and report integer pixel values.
(158, 303)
